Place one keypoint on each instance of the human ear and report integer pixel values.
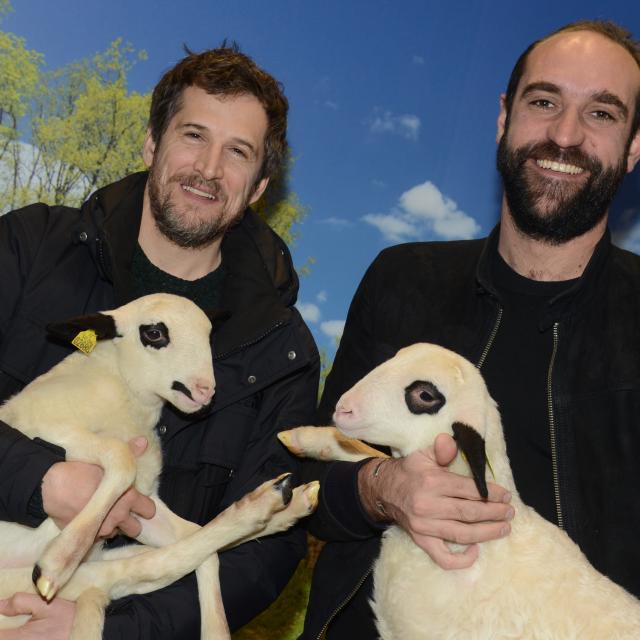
(502, 118)
(148, 148)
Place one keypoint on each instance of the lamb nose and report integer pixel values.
(204, 390)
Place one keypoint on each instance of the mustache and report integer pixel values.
(549, 150)
(198, 182)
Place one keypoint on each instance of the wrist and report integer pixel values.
(372, 479)
(48, 489)
(35, 507)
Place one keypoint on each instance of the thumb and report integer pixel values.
(20, 603)
(138, 445)
(445, 449)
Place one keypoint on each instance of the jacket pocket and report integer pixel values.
(202, 459)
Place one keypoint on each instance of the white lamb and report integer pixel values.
(152, 350)
(535, 584)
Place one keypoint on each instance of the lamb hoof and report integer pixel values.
(288, 440)
(311, 490)
(283, 485)
(43, 585)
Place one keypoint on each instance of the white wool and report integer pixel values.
(92, 405)
(534, 584)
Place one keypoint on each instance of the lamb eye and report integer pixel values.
(423, 396)
(154, 335)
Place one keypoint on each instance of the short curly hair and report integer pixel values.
(224, 71)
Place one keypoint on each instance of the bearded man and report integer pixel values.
(549, 310)
(217, 133)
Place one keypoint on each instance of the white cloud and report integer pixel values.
(333, 328)
(336, 222)
(406, 125)
(378, 184)
(321, 296)
(392, 226)
(32, 174)
(417, 59)
(331, 105)
(424, 210)
(310, 312)
(627, 231)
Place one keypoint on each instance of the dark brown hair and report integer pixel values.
(224, 71)
(608, 29)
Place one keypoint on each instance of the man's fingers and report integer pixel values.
(462, 533)
(123, 514)
(444, 449)
(130, 527)
(22, 604)
(456, 486)
(138, 445)
(440, 553)
(472, 511)
(144, 506)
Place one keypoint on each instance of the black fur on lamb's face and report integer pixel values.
(422, 396)
(154, 335)
(471, 443)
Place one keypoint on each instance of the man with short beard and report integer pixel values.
(549, 310)
(217, 133)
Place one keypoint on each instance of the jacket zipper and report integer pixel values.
(552, 429)
(343, 604)
(492, 337)
(346, 601)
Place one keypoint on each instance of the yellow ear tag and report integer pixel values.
(85, 341)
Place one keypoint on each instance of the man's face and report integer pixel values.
(203, 173)
(567, 143)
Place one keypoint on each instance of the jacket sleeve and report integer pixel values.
(340, 515)
(23, 462)
(253, 574)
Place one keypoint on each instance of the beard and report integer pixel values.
(175, 225)
(554, 210)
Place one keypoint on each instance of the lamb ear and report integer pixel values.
(104, 326)
(471, 444)
(217, 317)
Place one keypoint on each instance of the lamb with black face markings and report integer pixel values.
(153, 350)
(534, 584)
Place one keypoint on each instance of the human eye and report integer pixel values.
(603, 116)
(239, 152)
(542, 103)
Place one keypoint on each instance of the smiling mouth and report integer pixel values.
(197, 192)
(560, 167)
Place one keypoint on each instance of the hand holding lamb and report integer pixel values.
(534, 584)
(152, 350)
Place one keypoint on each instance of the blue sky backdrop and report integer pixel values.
(393, 108)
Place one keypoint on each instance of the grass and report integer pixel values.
(284, 619)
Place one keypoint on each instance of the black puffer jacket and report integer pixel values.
(57, 262)
(443, 293)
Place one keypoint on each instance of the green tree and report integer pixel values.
(87, 127)
(19, 82)
(279, 206)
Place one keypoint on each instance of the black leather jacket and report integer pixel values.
(442, 292)
(57, 262)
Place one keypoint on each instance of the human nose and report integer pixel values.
(209, 163)
(566, 129)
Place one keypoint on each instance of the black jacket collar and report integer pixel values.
(564, 303)
(260, 281)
